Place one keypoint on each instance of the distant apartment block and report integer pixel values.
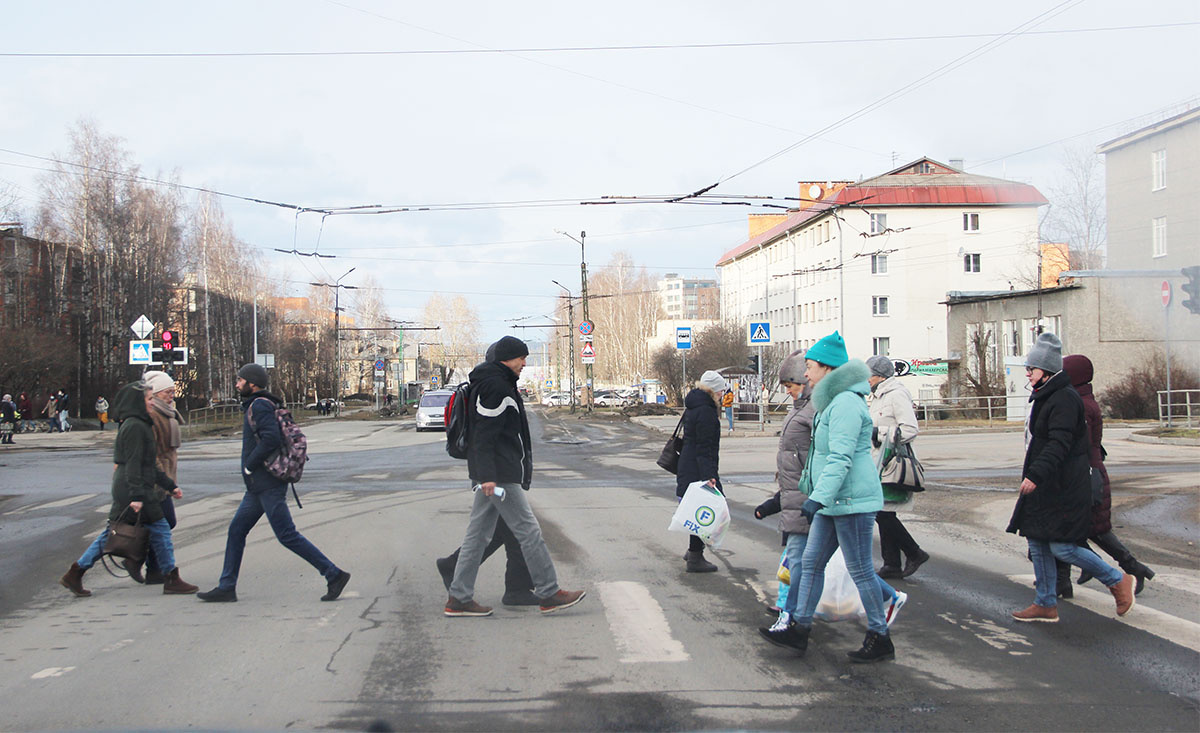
(689, 298)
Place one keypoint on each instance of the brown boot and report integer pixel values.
(1123, 593)
(134, 568)
(175, 585)
(73, 581)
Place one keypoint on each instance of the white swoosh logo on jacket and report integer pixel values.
(506, 403)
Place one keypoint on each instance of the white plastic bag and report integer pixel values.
(839, 599)
(703, 512)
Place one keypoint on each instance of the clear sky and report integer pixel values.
(490, 119)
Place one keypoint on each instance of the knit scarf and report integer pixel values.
(171, 417)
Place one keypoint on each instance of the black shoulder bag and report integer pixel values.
(669, 458)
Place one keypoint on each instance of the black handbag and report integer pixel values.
(127, 540)
(1097, 486)
(669, 458)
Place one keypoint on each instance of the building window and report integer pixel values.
(881, 345)
(878, 223)
(878, 264)
(1159, 236)
(1012, 339)
(971, 263)
(970, 222)
(1158, 170)
(879, 305)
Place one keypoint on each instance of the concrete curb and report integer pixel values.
(1163, 441)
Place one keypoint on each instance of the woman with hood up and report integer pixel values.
(135, 485)
(1080, 369)
(844, 494)
(699, 458)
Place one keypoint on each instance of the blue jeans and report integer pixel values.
(729, 417)
(273, 503)
(160, 542)
(1045, 574)
(853, 533)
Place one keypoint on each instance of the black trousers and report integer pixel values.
(894, 539)
(516, 572)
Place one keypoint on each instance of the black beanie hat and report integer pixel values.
(509, 347)
(255, 374)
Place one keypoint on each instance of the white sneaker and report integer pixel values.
(782, 622)
(892, 609)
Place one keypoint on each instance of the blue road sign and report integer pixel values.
(760, 333)
(139, 352)
(379, 365)
(683, 337)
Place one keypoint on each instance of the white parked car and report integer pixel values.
(556, 399)
(431, 410)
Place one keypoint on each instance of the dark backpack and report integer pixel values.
(457, 432)
(287, 464)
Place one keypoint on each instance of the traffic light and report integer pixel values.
(1192, 288)
(170, 341)
(752, 363)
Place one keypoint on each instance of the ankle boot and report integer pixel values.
(134, 568)
(697, 564)
(875, 648)
(73, 581)
(175, 585)
(154, 576)
(1137, 570)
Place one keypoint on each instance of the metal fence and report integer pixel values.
(993, 408)
(1179, 408)
(225, 415)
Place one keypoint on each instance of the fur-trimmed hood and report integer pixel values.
(849, 377)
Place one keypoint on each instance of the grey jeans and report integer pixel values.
(518, 515)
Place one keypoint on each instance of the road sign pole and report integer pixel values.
(685, 384)
(1167, 340)
(762, 411)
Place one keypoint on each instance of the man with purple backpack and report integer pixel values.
(266, 493)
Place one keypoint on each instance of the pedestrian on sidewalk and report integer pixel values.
(1080, 369)
(135, 485)
(844, 494)
(1054, 509)
(8, 419)
(51, 412)
(892, 412)
(63, 405)
(25, 407)
(167, 439)
(102, 410)
(500, 466)
(699, 458)
(727, 403)
(795, 440)
(265, 494)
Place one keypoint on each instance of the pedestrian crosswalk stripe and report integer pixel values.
(1163, 625)
(638, 624)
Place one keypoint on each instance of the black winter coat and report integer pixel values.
(1060, 508)
(261, 440)
(134, 453)
(699, 460)
(499, 448)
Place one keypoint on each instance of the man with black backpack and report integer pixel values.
(265, 493)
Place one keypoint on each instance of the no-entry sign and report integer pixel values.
(1166, 293)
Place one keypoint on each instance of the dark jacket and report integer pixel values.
(499, 448)
(1079, 368)
(8, 411)
(700, 457)
(794, 441)
(1056, 460)
(63, 402)
(260, 440)
(25, 407)
(133, 451)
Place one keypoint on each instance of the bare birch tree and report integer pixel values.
(456, 347)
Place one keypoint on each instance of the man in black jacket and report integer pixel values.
(500, 465)
(265, 494)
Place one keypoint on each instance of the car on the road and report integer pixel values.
(610, 399)
(556, 399)
(431, 410)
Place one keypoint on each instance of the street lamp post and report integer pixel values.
(337, 333)
(583, 291)
(571, 336)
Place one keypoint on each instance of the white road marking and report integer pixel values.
(50, 672)
(991, 633)
(372, 476)
(118, 645)
(638, 624)
(53, 504)
(1163, 625)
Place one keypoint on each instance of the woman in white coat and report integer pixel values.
(891, 407)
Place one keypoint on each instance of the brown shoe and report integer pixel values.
(1049, 614)
(175, 585)
(560, 600)
(455, 607)
(73, 581)
(1123, 593)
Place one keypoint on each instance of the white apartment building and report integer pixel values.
(877, 258)
(688, 298)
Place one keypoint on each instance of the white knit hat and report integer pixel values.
(714, 381)
(158, 381)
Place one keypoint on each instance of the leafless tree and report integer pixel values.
(625, 309)
(456, 347)
(1077, 213)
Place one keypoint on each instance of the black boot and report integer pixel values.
(791, 636)
(1137, 570)
(134, 568)
(875, 648)
(697, 564)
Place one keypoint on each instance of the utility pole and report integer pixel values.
(571, 336)
(584, 294)
(337, 334)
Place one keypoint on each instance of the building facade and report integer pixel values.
(877, 258)
(689, 298)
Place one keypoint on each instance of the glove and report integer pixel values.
(875, 437)
(810, 508)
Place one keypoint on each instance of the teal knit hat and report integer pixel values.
(830, 351)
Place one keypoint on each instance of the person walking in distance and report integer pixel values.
(102, 410)
(63, 405)
(265, 494)
(727, 403)
(1079, 368)
(51, 412)
(25, 407)
(699, 458)
(135, 485)
(892, 412)
(500, 466)
(167, 438)
(8, 419)
(1054, 509)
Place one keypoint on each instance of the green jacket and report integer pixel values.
(843, 474)
(134, 452)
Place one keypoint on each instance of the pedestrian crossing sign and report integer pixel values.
(760, 332)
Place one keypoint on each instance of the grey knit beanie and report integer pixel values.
(255, 374)
(792, 369)
(881, 366)
(1046, 354)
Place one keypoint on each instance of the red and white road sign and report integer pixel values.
(1166, 293)
(587, 353)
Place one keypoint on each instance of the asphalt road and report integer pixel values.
(650, 648)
